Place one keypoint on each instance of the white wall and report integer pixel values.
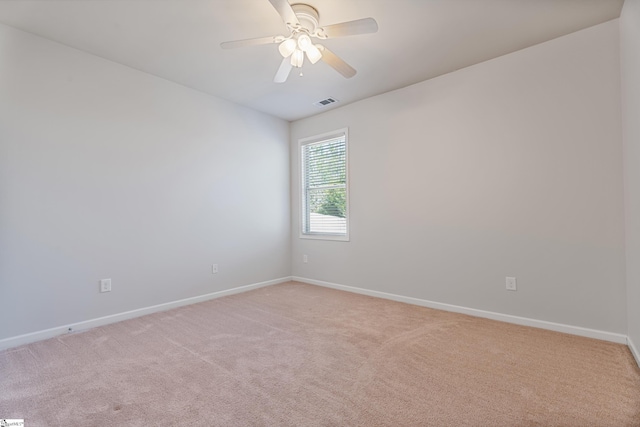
(512, 167)
(107, 172)
(630, 67)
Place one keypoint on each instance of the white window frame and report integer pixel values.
(303, 210)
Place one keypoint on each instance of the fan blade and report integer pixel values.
(338, 64)
(351, 28)
(249, 42)
(286, 12)
(283, 71)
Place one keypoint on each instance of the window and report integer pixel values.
(325, 201)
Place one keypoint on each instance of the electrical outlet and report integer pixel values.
(105, 285)
(511, 283)
(214, 269)
(305, 259)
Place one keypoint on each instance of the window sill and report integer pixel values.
(333, 237)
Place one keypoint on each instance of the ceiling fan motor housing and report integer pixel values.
(307, 15)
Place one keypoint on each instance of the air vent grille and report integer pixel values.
(325, 102)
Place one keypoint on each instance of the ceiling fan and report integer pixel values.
(302, 23)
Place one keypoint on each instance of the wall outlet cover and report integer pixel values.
(105, 285)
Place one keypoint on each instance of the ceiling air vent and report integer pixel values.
(325, 102)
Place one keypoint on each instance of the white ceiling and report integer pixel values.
(179, 40)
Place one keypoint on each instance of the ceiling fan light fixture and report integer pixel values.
(313, 53)
(287, 47)
(297, 58)
(302, 22)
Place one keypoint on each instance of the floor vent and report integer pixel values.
(325, 102)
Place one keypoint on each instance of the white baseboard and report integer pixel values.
(101, 321)
(524, 321)
(634, 350)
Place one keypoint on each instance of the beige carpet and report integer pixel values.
(301, 355)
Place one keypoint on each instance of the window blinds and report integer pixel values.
(324, 181)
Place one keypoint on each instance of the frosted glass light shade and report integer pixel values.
(287, 47)
(297, 58)
(313, 54)
(304, 41)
